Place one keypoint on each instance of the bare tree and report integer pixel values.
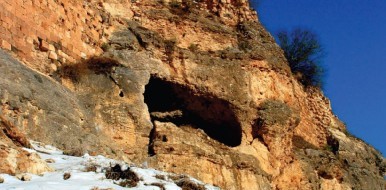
(304, 54)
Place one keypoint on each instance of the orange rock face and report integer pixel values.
(194, 87)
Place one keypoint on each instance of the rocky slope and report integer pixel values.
(193, 87)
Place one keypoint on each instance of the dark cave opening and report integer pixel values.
(171, 102)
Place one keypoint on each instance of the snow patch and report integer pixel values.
(88, 173)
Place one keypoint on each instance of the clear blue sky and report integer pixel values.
(353, 33)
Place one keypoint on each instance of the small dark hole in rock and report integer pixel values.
(325, 175)
(333, 143)
(164, 138)
(121, 94)
(170, 149)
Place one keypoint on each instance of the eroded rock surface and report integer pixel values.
(189, 87)
(14, 159)
(44, 110)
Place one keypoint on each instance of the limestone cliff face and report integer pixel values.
(194, 87)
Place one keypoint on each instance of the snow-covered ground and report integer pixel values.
(84, 179)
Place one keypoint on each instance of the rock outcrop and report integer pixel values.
(14, 159)
(194, 87)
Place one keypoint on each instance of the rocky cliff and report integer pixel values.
(193, 87)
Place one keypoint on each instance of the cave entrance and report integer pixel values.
(171, 102)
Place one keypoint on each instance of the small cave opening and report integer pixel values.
(121, 94)
(256, 127)
(332, 144)
(171, 102)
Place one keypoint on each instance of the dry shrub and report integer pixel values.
(66, 175)
(160, 185)
(92, 167)
(96, 65)
(128, 177)
(161, 177)
(187, 184)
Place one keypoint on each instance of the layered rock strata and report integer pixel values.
(194, 87)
